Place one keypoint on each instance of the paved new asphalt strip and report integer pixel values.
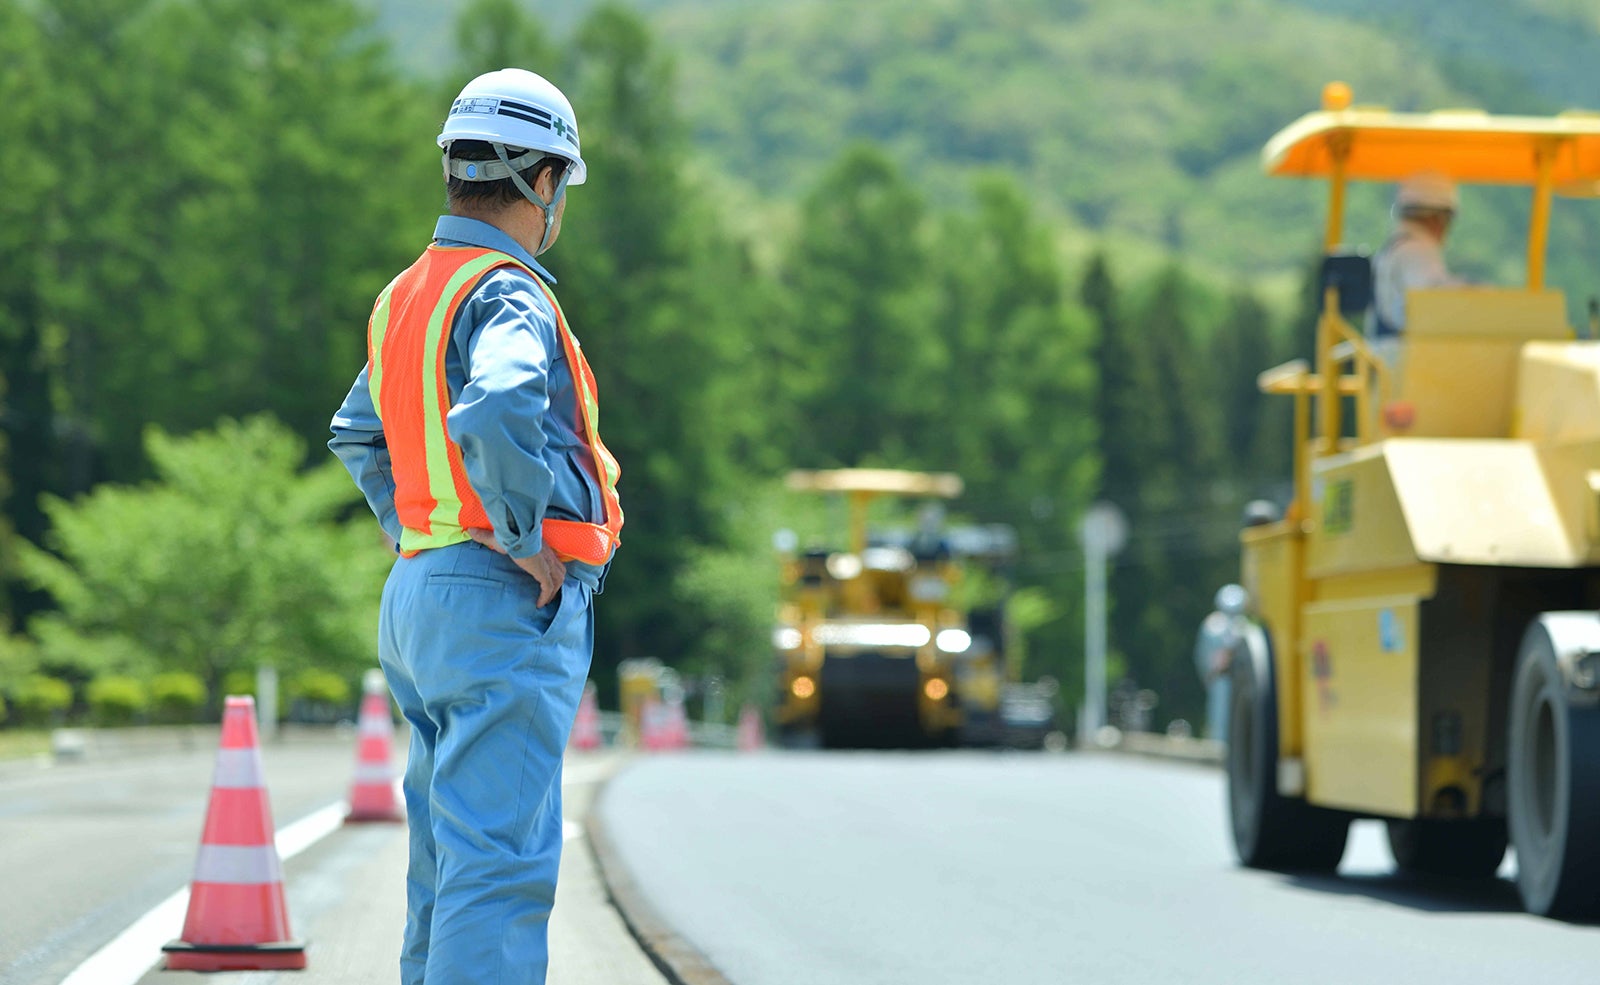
(961, 868)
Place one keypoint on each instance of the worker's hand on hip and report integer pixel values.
(545, 567)
(547, 570)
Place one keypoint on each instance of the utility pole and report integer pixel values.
(1102, 532)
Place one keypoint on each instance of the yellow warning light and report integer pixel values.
(1336, 96)
(936, 689)
(803, 687)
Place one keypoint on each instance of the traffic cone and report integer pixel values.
(586, 727)
(238, 919)
(650, 731)
(677, 725)
(750, 737)
(372, 791)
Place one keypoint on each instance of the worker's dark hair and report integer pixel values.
(1426, 212)
(475, 195)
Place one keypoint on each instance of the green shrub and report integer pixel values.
(116, 700)
(41, 700)
(236, 682)
(318, 696)
(319, 687)
(177, 696)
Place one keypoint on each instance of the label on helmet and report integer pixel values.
(476, 105)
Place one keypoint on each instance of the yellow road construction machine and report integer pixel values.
(871, 648)
(1425, 647)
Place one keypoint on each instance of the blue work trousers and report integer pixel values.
(490, 683)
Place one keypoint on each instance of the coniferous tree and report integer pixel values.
(28, 451)
(1018, 422)
(1240, 345)
(1254, 425)
(863, 302)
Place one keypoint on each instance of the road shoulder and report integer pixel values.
(679, 960)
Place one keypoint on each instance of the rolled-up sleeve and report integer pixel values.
(359, 442)
(505, 337)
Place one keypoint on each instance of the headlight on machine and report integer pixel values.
(897, 634)
(803, 687)
(953, 640)
(843, 567)
(787, 638)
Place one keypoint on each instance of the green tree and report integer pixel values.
(495, 34)
(230, 559)
(263, 283)
(154, 234)
(1160, 414)
(1016, 396)
(1125, 407)
(1255, 426)
(868, 371)
(18, 659)
(1240, 344)
(27, 428)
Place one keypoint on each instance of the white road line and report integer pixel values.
(136, 950)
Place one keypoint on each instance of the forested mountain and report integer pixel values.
(1138, 121)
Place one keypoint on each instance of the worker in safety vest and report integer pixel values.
(1424, 207)
(473, 430)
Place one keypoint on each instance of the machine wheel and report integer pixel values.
(1270, 831)
(1553, 771)
(1461, 849)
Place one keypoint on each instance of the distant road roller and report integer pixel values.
(1425, 647)
(871, 648)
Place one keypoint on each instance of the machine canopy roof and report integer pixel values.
(889, 481)
(1468, 145)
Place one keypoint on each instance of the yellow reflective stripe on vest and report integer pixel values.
(444, 520)
(447, 509)
(378, 327)
(605, 463)
(610, 471)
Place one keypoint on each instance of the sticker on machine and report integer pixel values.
(1322, 673)
(1390, 639)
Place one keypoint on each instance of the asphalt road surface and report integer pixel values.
(974, 868)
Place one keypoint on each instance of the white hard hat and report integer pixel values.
(515, 108)
(1427, 190)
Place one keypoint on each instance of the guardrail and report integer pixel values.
(1207, 752)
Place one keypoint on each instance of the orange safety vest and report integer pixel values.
(406, 340)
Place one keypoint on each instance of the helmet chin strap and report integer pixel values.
(548, 208)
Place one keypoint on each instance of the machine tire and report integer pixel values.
(1471, 849)
(1553, 771)
(1270, 831)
